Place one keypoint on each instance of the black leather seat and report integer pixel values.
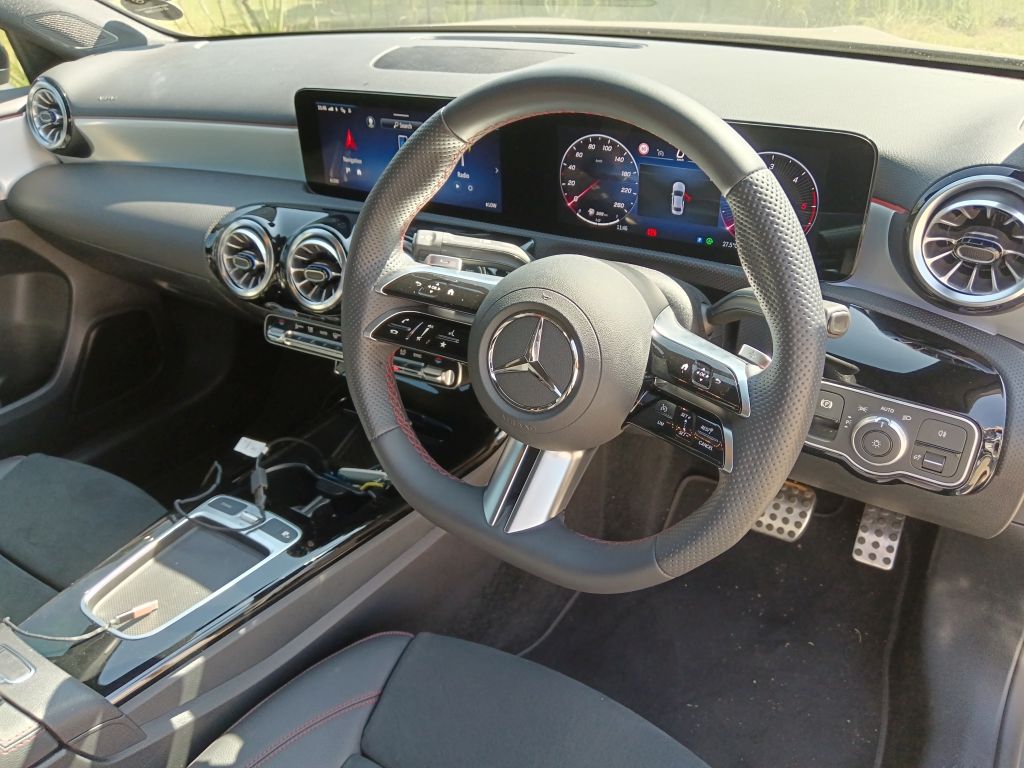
(60, 519)
(398, 701)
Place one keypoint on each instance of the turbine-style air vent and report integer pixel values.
(245, 258)
(48, 115)
(967, 243)
(313, 266)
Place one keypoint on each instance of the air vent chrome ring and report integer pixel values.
(244, 256)
(314, 265)
(967, 243)
(48, 115)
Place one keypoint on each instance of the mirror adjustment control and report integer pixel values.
(879, 441)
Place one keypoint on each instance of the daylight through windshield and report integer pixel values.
(990, 28)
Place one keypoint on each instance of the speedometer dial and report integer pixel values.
(600, 180)
(798, 184)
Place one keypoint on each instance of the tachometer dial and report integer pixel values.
(798, 184)
(600, 180)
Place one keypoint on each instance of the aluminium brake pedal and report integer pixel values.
(878, 537)
(789, 513)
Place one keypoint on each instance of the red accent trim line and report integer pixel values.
(887, 204)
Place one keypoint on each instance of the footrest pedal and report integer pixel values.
(878, 537)
(789, 513)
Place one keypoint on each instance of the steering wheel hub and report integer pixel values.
(552, 352)
(542, 362)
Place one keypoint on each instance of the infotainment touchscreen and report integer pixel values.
(348, 140)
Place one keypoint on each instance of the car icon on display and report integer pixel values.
(678, 198)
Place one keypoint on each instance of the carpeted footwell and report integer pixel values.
(774, 654)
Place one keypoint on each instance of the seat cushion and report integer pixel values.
(20, 593)
(61, 518)
(435, 702)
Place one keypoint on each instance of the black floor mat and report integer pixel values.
(771, 655)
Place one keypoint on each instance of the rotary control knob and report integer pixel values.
(879, 441)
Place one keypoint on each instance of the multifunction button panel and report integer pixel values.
(450, 292)
(883, 437)
(325, 340)
(701, 375)
(426, 333)
(687, 426)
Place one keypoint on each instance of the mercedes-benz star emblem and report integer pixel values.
(532, 361)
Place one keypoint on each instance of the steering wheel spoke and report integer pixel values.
(530, 486)
(674, 417)
(682, 361)
(440, 287)
(430, 309)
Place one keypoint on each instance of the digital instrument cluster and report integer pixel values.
(586, 177)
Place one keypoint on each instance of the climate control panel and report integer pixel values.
(883, 437)
(323, 339)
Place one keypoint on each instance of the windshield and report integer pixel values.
(989, 31)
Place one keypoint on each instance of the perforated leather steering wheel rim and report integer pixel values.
(773, 252)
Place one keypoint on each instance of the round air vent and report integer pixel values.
(313, 266)
(48, 115)
(245, 258)
(967, 243)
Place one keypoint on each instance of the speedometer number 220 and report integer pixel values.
(599, 179)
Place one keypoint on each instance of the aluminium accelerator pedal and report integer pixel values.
(878, 537)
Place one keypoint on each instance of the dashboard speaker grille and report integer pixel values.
(48, 115)
(245, 259)
(71, 30)
(968, 243)
(314, 265)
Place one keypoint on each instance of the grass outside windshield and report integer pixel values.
(987, 27)
(18, 78)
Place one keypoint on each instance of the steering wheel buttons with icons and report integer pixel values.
(703, 378)
(709, 431)
(688, 427)
(700, 375)
(448, 292)
(679, 368)
(724, 387)
(425, 333)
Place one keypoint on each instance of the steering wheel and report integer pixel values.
(566, 350)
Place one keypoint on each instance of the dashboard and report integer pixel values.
(586, 176)
(189, 189)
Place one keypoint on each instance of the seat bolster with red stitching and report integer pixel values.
(316, 720)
